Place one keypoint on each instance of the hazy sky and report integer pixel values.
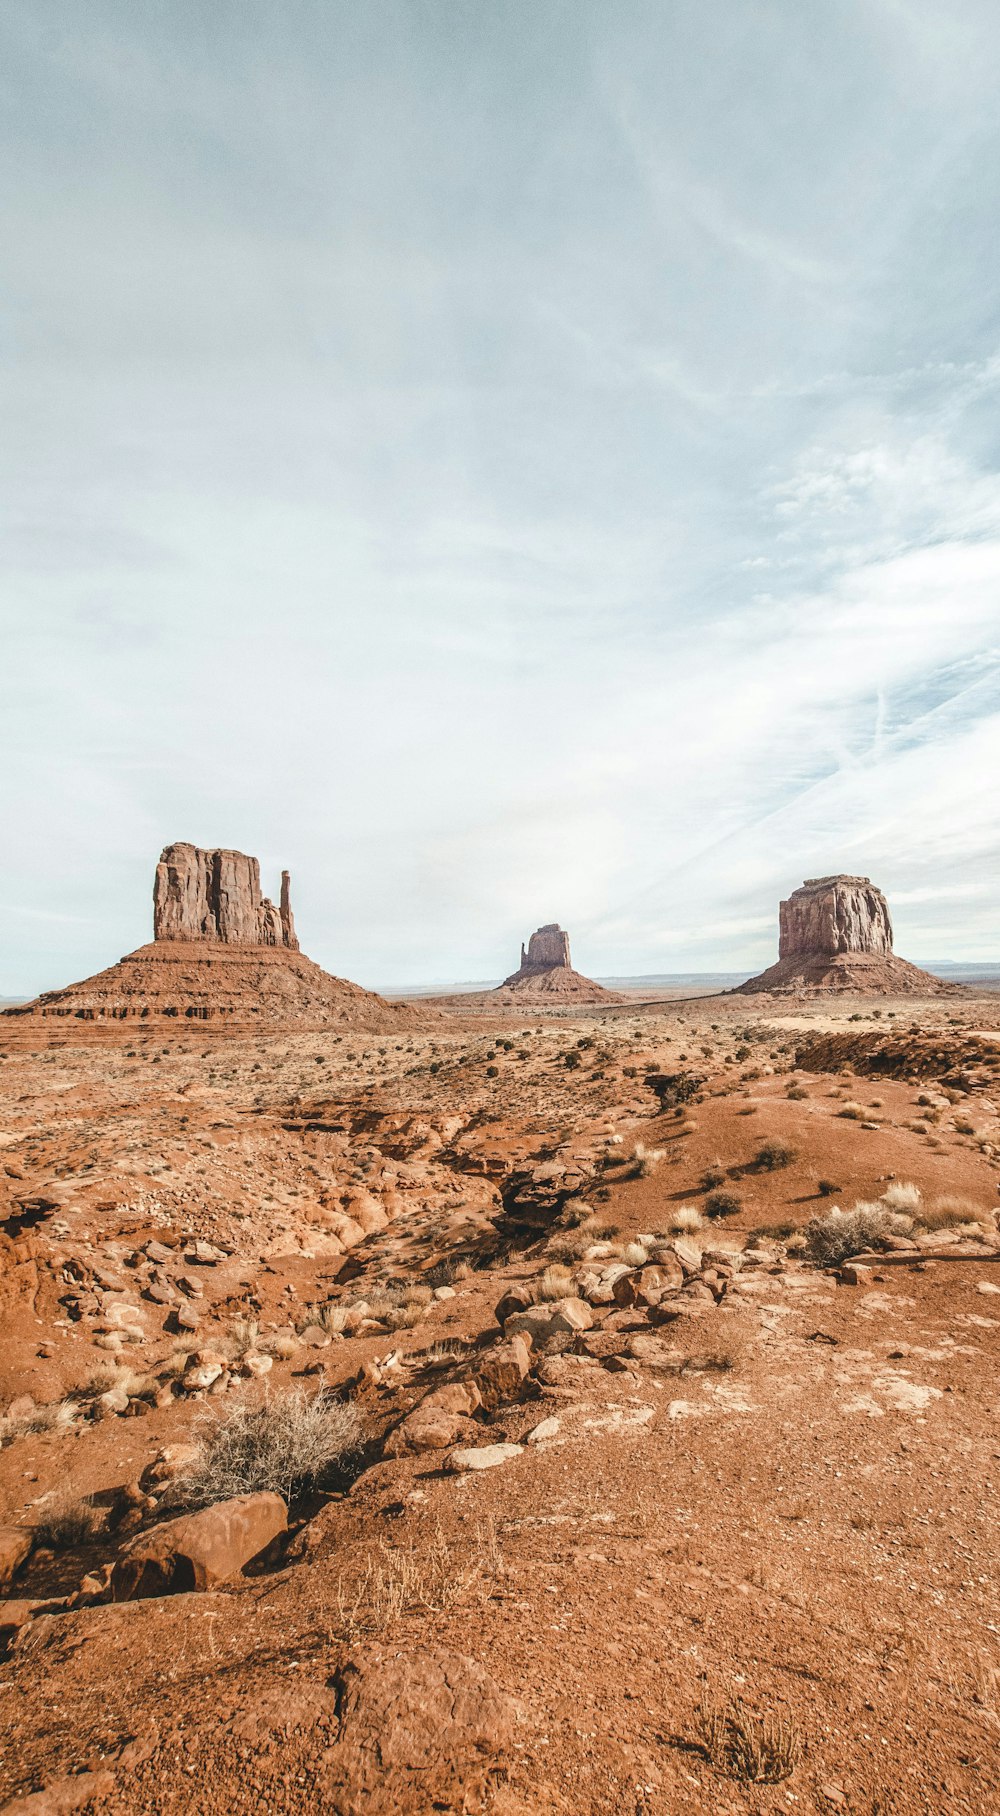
(505, 460)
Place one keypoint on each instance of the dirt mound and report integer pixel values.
(968, 1061)
(235, 986)
(846, 973)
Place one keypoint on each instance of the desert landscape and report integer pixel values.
(499, 863)
(580, 1406)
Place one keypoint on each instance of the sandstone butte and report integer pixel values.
(835, 935)
(546, 970)
(221, 953)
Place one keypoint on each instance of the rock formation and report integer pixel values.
(216, 895)
(832, 914)
(548, 946)
(835, 934)
(221, 953)
(547, 971)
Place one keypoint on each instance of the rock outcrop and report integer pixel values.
(832, 914)
(547, 947)
(835, 935)
(216, 895)
(547, 971)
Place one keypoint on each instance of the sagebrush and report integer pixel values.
(282, 1444)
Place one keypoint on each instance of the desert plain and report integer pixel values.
(733, 1546)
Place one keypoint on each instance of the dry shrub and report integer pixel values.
(69, 1523)
(713, 1176)
(59, 1415)
(635, 1254)
(555, 1283)
(284, 1443)
(901, 1197)
(796, 1093)
(831, 1240)
(756, 1749)
(723, 1204)
(398, 1581)
(854, 1112)
(685, 1219)
(572, 1245)
(242, 1338)
(645, 1160)
(774, 1154)
(949, 1211)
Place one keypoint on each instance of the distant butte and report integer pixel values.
(546, 970)
(835, 935)
(221, 953)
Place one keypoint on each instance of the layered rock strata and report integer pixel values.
(547, 947)
(832, 914)
(216, 895)
(835, 936)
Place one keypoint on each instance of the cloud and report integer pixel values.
(501, 475)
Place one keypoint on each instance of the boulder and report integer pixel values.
(199, 1550)
(418, 1730)
(427, 1428)
(15, 1548)
(516, 1299)
(499, 1374)
(557, 1317)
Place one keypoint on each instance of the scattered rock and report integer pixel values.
(557, 1317)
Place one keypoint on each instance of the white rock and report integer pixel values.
(485, 1456)
(444, 1292)
(547, 1429)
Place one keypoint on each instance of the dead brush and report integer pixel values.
(555, 1283)
(401, 1581)
(68, 1523)
(281, 1444)
(951, 1211)
(754, 1749)
(644, 1161)
(58, 1415)
(571, 1245)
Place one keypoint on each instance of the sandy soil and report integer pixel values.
(778, 1499)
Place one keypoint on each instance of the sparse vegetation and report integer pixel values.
(645, 1160)
(827, 1188)
(69, 1523)
(285, 1443)
(686, 1219)
(723, 1203)
(774, 1154)
(755, 1749)
(713, 1176)
(833, 1239)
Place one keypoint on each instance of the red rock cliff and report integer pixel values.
(216, 895)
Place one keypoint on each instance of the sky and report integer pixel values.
(504, 461)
